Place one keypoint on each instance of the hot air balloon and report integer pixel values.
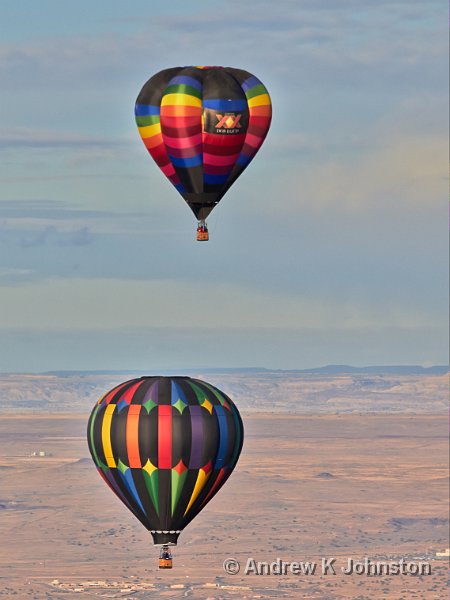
(203, 126)
(165, 446)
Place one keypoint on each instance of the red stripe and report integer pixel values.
(113, 392)
(164, 436)
(222, 150)
(132, 436)
(221, 139)
(176, 122)
(128, 395)
(215, 485)
(182, 140)
(183, 129)
(217, 170)
(184, 152)
(158, 152)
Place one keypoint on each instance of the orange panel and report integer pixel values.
(132, 435)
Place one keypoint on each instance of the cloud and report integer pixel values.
(28, 137)
(346, 41)
(394, 174)
(47, 218)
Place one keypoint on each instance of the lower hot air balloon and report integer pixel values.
(165, 446)
(203, 126)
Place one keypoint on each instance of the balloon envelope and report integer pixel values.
(165, 446)
(203, 126)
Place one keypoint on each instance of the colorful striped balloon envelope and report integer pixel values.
(165, 446)
(203, 126)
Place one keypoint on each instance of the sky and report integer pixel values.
(330, 249)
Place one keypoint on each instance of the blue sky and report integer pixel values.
(331, 247)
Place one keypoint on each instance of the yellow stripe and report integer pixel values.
(260, 100)
(199, 484)
(149, 130)
(106, 435)
(180, 100)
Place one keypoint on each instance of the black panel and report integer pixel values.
(152, 91)
(165, 484)
(144, 497)
(164, 390)
(118, 436)
(148, 436)
(98, 434)
(186, 493)
(139, 394)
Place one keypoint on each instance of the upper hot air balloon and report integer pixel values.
(165, 446)
(203, 126)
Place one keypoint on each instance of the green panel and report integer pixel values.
(179, 405)
(151, 482)
(144, 121)
(201, 395)
(182, 88)
(91, 437)
(216, 393)
(256, 91)
(177, 486)
(149, 405)
(122, 468)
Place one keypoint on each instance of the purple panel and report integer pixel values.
(112, 482)
(195, 460)
(151, 393)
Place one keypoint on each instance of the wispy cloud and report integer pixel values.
(27, 137)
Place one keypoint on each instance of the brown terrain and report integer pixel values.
(307, 486)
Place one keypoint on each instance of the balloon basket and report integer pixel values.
(202, 232)
(165, 558)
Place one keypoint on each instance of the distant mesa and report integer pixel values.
(325, 370)
(325, 475)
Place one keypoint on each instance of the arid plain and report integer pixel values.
(340, 483)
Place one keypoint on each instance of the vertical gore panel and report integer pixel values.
(223, 437)
(165, 437)
(106, 435)
(195, 459)
(132, 436)
(148, 436)
(119, 435)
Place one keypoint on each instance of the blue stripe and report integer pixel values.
(180, 187)
(127, 478)
(234, 105)
(243, 160)
(215, 179)
(249, 83)
(187, 81)
(176, 393)
(223, 437)
(144, 110)
(192, 161)
(121, 405)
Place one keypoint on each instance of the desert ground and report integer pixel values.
(306, 487)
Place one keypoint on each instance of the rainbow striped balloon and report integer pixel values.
(203, 126)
